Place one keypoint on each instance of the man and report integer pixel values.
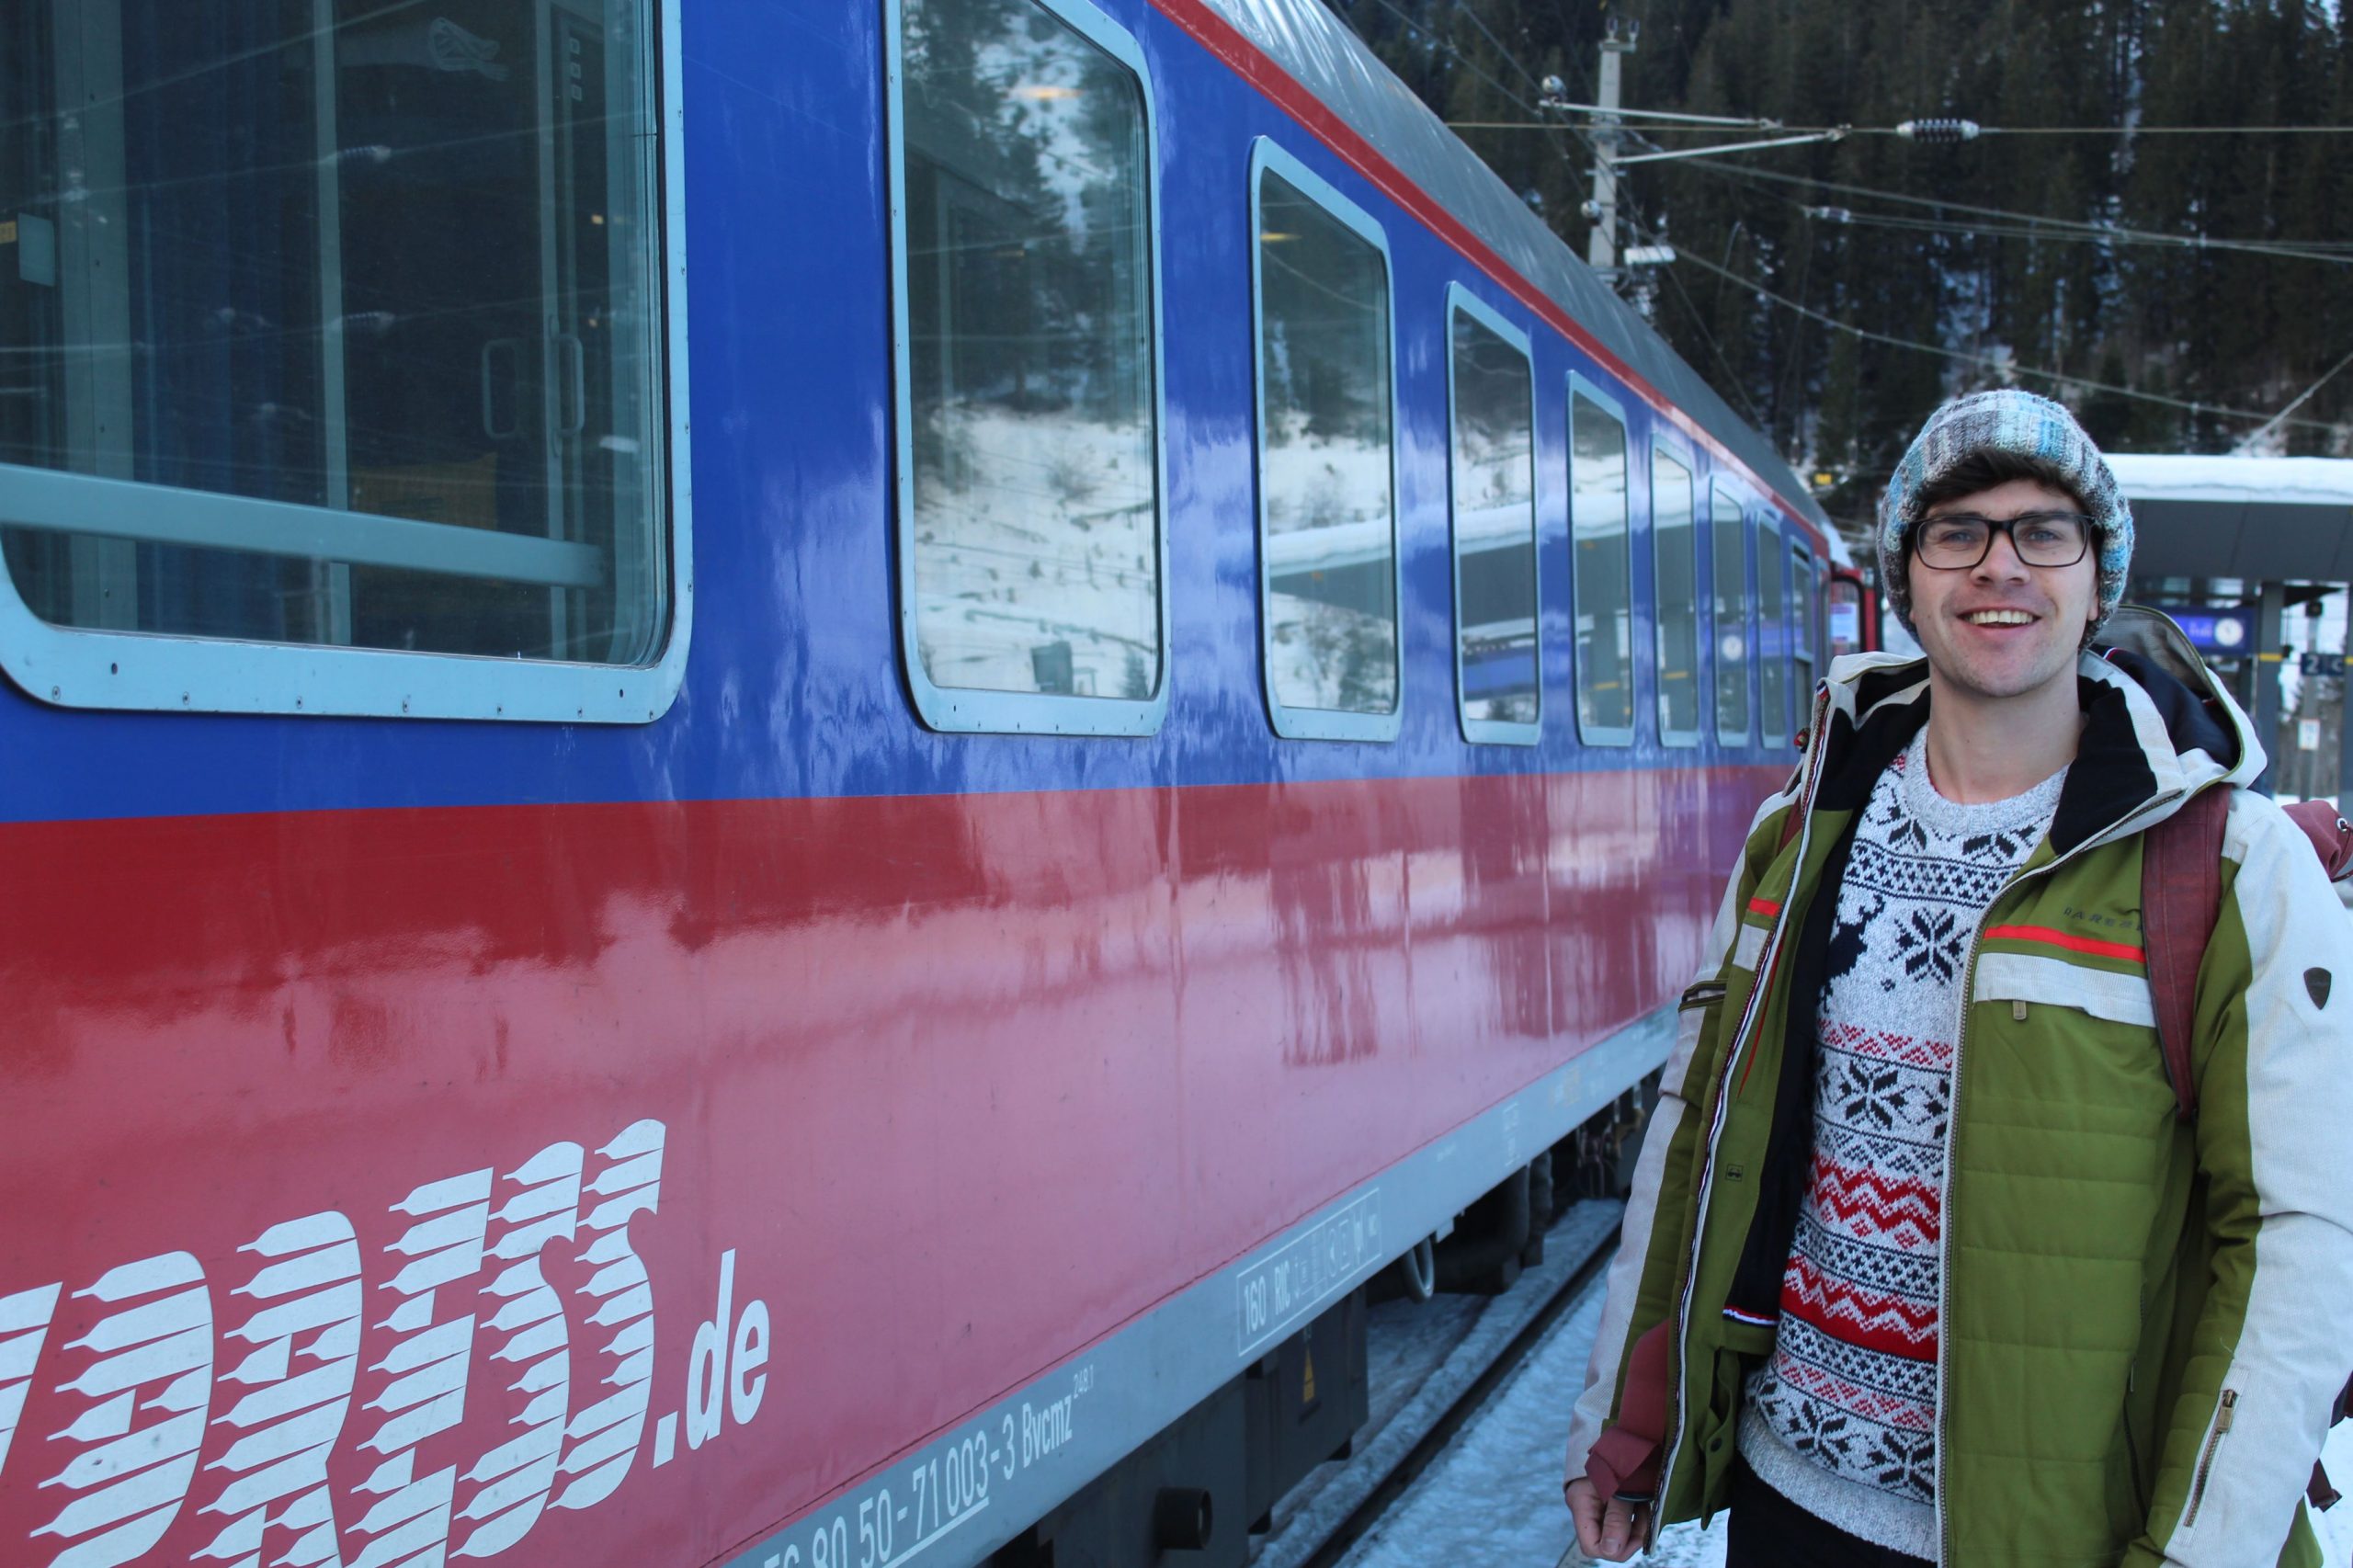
(1921, 1262)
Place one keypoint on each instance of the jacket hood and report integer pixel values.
(2150, 740)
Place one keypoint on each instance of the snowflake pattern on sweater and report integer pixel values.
(1842, 1417)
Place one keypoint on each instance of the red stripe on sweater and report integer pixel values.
(1887, 1409)
(1870, 1206)
(1855, 1315)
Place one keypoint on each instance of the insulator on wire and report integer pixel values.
(1945, 131)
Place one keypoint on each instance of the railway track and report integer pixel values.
(1433, 1365)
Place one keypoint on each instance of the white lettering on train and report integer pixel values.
(1044, 1428)
(149, 1356)
(466, 1286)
(297, 1360)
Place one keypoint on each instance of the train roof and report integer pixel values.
(1324, 56)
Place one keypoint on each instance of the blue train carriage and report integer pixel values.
(848, 932)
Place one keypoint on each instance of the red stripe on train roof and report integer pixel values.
(1226, 41)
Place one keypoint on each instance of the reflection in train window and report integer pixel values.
(1675, 583)
(1726, 538)
(1803, 622)
(1772, 641)
(1492, 476)
(1325, 480)
(1029, 483)
(1604, 594)
(373, 288)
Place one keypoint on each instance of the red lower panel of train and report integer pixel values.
(621, 1179)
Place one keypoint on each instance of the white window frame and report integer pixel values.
(1321, 724)
(1805, 592)
(1492, 731)
(970, 709)
(1585, 386)
(1681, 455)
(92, 667)
(1740, 529)
(1772, 554)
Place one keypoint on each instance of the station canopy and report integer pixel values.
(2262, 520)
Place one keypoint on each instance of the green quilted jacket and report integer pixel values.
(2144, 1320)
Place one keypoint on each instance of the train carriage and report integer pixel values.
(841, 929)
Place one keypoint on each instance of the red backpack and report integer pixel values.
(2181, 898)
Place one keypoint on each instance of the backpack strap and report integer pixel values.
(2181, 897)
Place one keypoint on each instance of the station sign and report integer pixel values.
(2225, 630)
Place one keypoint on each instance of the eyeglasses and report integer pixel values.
(1959, 541)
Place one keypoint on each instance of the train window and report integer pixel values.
(1032, 556)
(1601, 573)
(1727, 538)
(1674, 585)
(1843, 615)
(1492, 396)
(1805, 589)
(1327, 512)
(334, 337)
(1772, 640)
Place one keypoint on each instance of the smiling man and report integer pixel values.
(1921, 1263)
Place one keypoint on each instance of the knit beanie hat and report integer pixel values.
(2012, 421)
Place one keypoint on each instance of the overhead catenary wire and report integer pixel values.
(1731, 379)
(1982, 361)
(1700, 121)
(2045, 226)
(1992, 362)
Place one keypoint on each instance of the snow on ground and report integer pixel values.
(1493, 1500)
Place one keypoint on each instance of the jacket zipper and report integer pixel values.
(1952, 1124)
(2206, 1460)
(1767, 955)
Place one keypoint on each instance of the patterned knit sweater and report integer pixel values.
(1842, 1418)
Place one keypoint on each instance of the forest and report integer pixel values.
(2155, 225)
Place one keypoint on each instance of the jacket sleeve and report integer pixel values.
(2274, 1059)
(1636, 1300)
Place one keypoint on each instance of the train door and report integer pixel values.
(1806, 628)
(1851, 623)
(1774, 724)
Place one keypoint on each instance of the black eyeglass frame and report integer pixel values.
(2008, 526)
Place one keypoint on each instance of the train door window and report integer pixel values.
(333, 337)
(1805, 624)
(1601, 572)
(1727, 538)
(1843, 615)
(1772, 638)
(1031, 552)
(1675, 586)
(1327, 515)
(1490, 394)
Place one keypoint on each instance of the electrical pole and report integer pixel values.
(1601, 249)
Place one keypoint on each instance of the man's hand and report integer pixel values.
(1606, 1531)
